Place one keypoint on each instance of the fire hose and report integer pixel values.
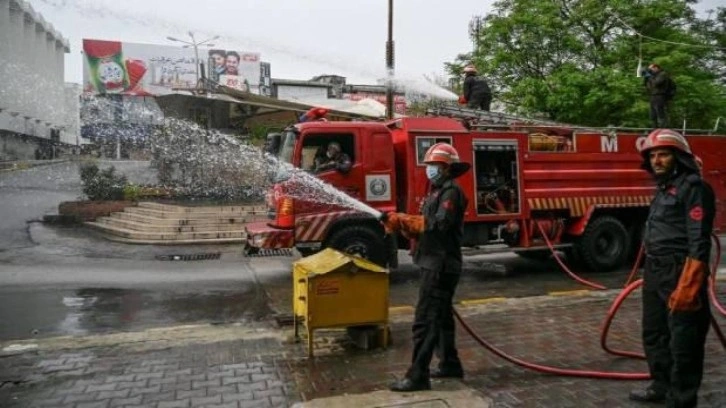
(630, 286)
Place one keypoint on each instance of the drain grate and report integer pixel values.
(268, 252)
(284, 320)
(190, 257)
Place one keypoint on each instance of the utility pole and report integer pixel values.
(389, 63)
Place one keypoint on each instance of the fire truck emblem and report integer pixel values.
(378, 187)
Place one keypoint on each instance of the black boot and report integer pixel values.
(647, 395)
(408, 385)
(448, 373)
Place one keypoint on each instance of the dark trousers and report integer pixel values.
(659, 111)
(433, 327)
(483, 103)
(673, 342)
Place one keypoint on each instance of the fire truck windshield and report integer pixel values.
(287, 146)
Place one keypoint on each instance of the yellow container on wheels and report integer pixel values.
(333, 289)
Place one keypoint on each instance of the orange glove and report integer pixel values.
(392, 222)
(462, 100)
(411, 225)
(685, 297)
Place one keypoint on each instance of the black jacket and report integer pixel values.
(681, 218)
(440, 244)
(475, 88)
(658, 84)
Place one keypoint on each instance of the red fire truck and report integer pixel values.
(581, 187)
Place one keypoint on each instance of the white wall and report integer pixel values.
(33, 97)
(294, 93)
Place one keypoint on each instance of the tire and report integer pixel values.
(362, 241)
(605, 245)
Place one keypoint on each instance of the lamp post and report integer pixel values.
(195, 44)
(389, 63)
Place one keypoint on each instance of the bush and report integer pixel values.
(102, 185)
(132, 192)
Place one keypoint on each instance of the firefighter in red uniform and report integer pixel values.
(439, 232)
(676, 312)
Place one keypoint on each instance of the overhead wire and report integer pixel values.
(641, 35)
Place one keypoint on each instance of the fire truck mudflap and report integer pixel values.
(260, 235)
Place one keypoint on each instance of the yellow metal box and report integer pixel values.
(333, 289)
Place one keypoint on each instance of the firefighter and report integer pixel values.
(661, 89)
(676, 312)
(477, 94)
(334, 159)
(439, 232)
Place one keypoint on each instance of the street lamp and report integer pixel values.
(194, 44)
(389, 63)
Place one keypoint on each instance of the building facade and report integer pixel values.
(35, 116)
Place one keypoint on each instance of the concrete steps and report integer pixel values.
(143, 225)
(166, 224)
(130, 216)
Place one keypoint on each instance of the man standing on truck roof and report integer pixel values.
(438, 254)
(676, 312)
(661, 89)
(477, 94)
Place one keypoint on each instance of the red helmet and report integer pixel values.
(666, 138)
(441, 153)
(445, 153)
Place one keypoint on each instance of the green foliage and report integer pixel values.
(576, 60)
(132, 192)
(101, 185)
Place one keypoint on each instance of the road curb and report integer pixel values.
(29, 164)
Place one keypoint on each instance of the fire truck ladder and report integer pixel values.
(480, 118)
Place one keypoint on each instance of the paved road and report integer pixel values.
(71, 281)
(27, 195)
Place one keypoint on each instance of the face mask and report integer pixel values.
(433, 172)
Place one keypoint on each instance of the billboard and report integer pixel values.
(113, 67)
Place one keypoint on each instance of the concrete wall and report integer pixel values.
(33, 99)
(295, 92)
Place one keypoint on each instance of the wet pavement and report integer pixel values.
(86, 322)
(236, 366)
(44, 312)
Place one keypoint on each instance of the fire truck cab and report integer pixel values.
(582, 189)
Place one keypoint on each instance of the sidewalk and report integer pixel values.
(236, 366)
(12, 165)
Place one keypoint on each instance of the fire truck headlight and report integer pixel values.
(257, 240)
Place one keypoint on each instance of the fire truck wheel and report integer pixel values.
(605, 245)
(361, 241)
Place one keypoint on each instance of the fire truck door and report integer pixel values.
(496, 177)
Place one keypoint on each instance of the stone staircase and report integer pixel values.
(165, 224)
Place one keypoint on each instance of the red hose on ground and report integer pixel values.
(609, 319)
(712, 281)
(630, 286)
(562, 264)
(547, 369)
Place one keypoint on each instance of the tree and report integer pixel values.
(576, 61)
